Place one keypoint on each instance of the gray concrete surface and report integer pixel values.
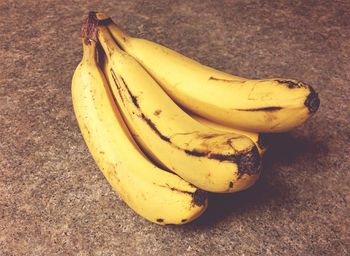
(54, 200)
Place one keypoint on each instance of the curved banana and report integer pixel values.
(269, 105)
(211, 160)
(260, 139)
(157, 195)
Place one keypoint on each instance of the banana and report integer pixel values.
(155, 194)
(261, 140)
(211, 160)
(268, 105)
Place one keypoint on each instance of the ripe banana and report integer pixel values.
(260, 139)
(269, 105)
(157, 195)
(211, 160)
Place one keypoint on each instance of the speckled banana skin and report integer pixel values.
(211, 160)
(267, 105)
(157, 195)
(261, 140)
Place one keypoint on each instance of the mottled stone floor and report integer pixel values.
(54, 201)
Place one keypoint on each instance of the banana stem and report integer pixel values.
(88, 29)
(88, 33)
(89, 51)
(107, 41)
(119, 36)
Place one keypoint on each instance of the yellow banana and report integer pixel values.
(211, 160)
(260, 139)
(269, 105)
(157, 195)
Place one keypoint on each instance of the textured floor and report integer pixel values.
(53, 199)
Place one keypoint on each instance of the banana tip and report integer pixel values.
(199, 197)
(100, 18)
(312, 101)
(91, 22)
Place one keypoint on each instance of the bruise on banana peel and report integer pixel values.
(199, 196)
(266, 109)
(291, 84)
(157, 112)
(248, 161)
(133, 97)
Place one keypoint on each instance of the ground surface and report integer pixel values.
(54, 201)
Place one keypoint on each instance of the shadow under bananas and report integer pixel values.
(283, 150)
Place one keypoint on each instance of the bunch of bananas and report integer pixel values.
(164, 129)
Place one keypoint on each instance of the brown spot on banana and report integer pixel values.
(291, 84)
(270, 117)
(195, 153)
(226, 80)
(133, 97)
(248, 161)
(154, 128)
(160, 220)
(157, 112)
(114, 77)
(199, 197)
(266, 109)
(208, 136)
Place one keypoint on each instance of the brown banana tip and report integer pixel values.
(249, 162)
(100, 18)
(312, 101)
(199, 197)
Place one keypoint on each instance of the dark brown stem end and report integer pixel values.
(89, 28)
